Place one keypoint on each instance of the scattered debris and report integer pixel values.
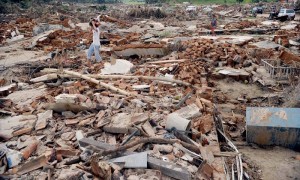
(167, 101)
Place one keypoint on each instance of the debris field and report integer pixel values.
(168, 101)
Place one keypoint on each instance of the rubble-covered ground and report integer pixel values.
(168, 101)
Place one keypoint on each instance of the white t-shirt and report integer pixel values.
(96, 37)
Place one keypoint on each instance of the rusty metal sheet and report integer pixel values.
(273, 126)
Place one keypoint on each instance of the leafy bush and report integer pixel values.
(65, 8)
(25, 4)
(102, 8)
(297, 4)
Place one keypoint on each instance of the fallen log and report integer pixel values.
(150, 140)
(183, 100)
(141, 78)
(90, 79)
(100, 76)
(47, 77)
(58, 82)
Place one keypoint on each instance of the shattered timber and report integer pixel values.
(171, 99)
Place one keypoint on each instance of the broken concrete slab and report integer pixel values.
(9, 125)
(138, 118)
(119, 66)
(85, 142)
(32, 165)
(125, 120)
(238, 74)
(174, 120)
(266, 45)
(66, 98)
(137, 160)
(42, 120)
(189, 112)
(27, 96)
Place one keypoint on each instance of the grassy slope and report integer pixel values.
(207, 1)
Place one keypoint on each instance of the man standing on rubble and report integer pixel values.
(213, 24)
(95, 46)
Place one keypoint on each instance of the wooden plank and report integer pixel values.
(22, 131)
(33, 165)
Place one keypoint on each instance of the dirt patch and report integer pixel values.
(273, 163)
(234, 90)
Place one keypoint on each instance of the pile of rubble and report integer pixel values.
(128, 125)
(61, 39)
(18, 29)
(224, 53)
(147, 13)
(240, 25)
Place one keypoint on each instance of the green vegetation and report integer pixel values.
(65, 8)
(27, 3)
(165, 34)
(102, 8)
(297, 5)
(198, 2)
(195, 2)
(133, 2)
